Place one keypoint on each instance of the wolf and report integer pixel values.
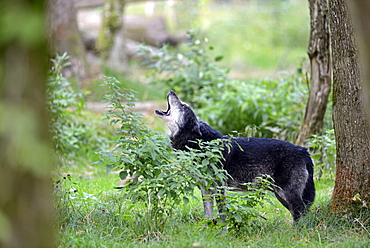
(289, 166)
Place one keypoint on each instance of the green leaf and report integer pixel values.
(123, 174)
(205, 162)
(162, 192)
(219, 58)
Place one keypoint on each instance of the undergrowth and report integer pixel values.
(160, 204)
(161, 179)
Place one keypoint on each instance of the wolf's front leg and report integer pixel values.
(208, 202)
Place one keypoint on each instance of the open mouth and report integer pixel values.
(164, 113)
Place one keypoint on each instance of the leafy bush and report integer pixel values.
(141, 154)
(273, 107)
(146, 157)
(72, 132)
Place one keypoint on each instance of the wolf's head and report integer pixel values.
(179, 117)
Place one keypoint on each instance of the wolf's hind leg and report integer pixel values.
(296, 205)
(292, 200)
(280, 196)
(293, 190)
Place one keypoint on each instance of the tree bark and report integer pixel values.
(65, 37)
(360, 13)
(320, 60)
(25, 190)
(352, 184)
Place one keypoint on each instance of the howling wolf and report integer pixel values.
(290, 166)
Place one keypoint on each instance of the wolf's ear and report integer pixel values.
(197, 129)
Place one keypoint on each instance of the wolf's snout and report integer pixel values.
(161, 113)
(171, 93)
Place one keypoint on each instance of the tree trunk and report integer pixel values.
(65, 37)
(352, 184)
(319, 54)
(25, 190)
(111, 40)
(360, 13)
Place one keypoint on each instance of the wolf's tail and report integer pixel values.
(309, 191)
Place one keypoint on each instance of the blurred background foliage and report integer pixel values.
(257, 38)
(241, 65)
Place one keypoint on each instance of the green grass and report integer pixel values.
(98, 218)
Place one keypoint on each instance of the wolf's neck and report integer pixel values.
(189, 139)
(208, 133)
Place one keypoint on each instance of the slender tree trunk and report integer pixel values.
(65, 36)
(352, 184)
(111, 41)
(320, 59)
(25, 190)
